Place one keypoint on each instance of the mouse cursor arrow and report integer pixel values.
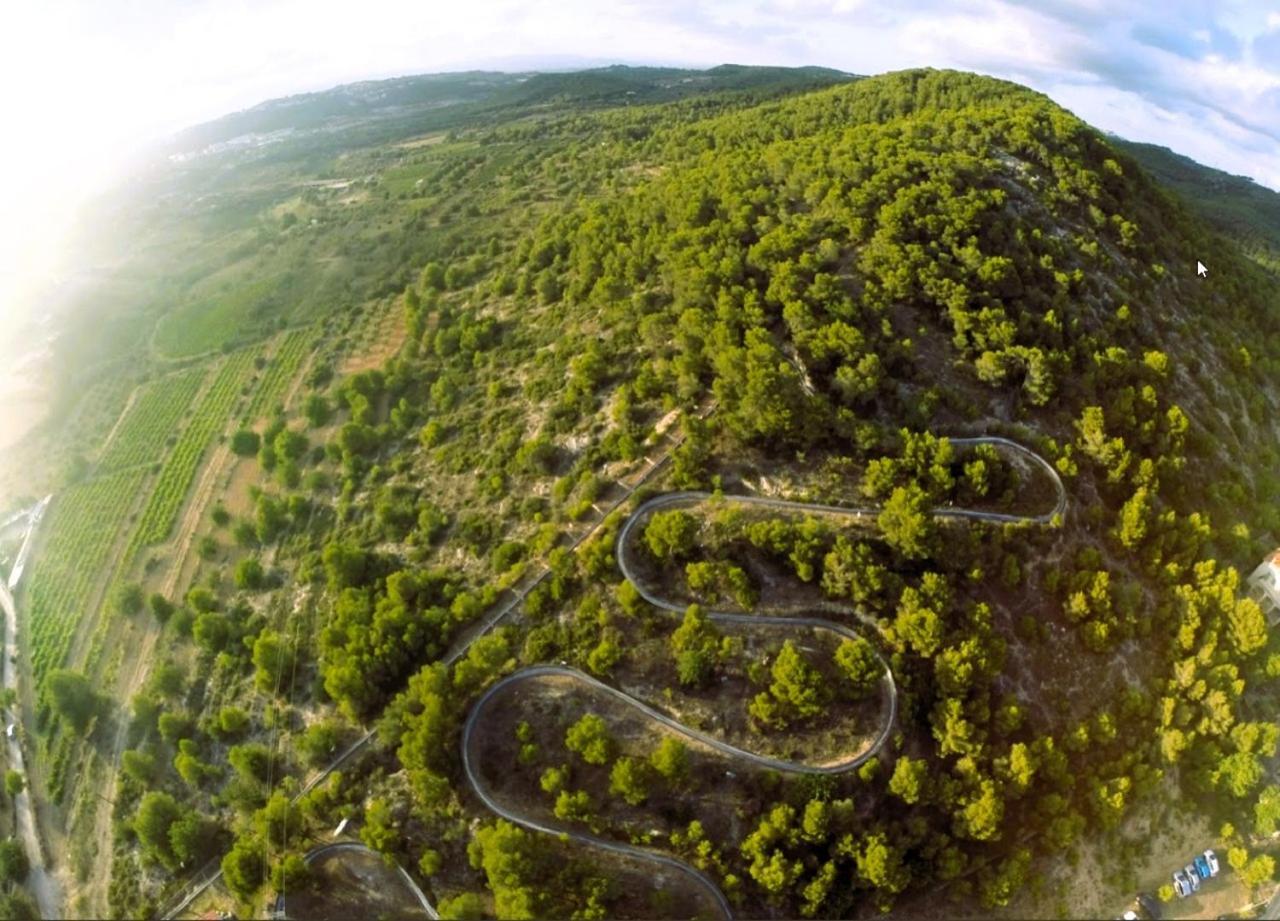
(1201, 271)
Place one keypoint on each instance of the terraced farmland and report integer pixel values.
(152, 420)
(209, 419)
(83, 524)
(280, 372)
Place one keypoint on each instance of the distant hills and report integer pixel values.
(1234, 205)
(475, 92)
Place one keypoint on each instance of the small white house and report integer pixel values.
(1264, 587)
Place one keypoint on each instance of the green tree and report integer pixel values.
(317, 410)
(1010, 875)
(607, 653)
(161, 607)
(140, 766)
(73, 697)
(246, 442)
(1266, 811)
(671, 760)
(466, 906)
(513, 865)
(433, 277)
(629, 779)
(982, 813)
(193, 839)
(252, 761)
(212, 632)
(381, 829)
(249, 574)
(273, 661)
(130, 599)
(202, 600)
(860, 666)
(920, 617)
(763, 392)
(906, 522)
(695, 643)
(232, 722)
(14, 865)
(574, 806)
(175, 726)
(1135, 518)
(670, 535)
(486, 659)
(18, 906)
(1259, 870)
(1247, 626)
(157, 812)
(189, 766)
(909, 780)
(850, 570)
(798, 690)
(207, 547)
(555, 778)
(14, 783)
(319, 743)
(590, 739)
(242, 867)
(345, 564)
(291, 874)
(1239, 773)
(880, 864)
(768, 863)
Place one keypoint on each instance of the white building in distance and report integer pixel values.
(1264, 587)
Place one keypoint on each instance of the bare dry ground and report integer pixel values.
(425, 141)
(376, 338)
(1159, 838)
(354, 884)
(845, 729)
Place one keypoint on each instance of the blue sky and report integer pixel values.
(89, 81)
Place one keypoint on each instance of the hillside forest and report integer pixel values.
(354, 522)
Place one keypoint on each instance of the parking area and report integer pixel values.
(1215, 896)
(1101, 882)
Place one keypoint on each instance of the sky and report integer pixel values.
(88, 83)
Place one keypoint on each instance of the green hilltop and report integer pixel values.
(439, 339)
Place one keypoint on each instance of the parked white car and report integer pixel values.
(1181, 885)
(1212, 860)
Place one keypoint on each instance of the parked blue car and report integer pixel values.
(1202, 867)
(1211, 859)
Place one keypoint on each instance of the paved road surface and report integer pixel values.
(28, 541)
(357, 848)
(207, 875)
(40, 879)
(210, 873)
(625, 547)
(604, 844)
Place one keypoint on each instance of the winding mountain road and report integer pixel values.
(355, 847)
(646, 469)
(475, 716)
(625, 547)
